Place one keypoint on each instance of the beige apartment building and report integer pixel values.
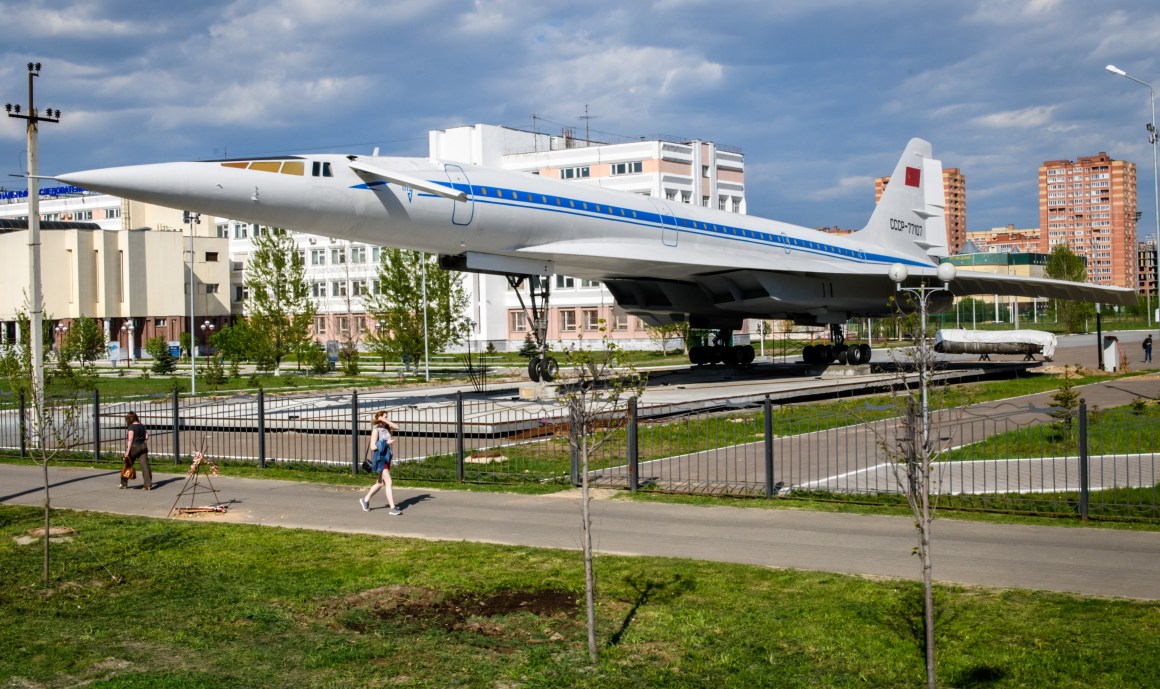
(127, 267)
(1089, 204)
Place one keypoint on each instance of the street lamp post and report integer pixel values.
(60, 329)
(192, 219)
(1154, 139)
(127, 327)
(922, 293)
(207, 329)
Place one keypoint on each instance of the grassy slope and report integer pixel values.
(191, 603)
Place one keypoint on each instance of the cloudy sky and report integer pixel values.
(821, 95)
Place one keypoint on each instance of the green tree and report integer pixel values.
(529, 348)
(163, 361)
(1064, 264)
(234, 343)
(85, 341)
(397, 305)
(662, 334)
(279, 308)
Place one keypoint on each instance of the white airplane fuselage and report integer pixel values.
(662, 261)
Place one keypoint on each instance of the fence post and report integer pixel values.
(460, 474)
(23, 427)
(261, 428)
(768, 431)
(1084, 479)
(633, 451)
(96, 425)
(176, 428)
(354, 467)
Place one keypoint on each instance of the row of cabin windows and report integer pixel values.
(286, 167)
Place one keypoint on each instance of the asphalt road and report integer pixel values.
(1089, 561)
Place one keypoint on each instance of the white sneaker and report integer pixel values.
(395, 511)
(366, 507)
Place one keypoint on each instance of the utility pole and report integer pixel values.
(36, 308)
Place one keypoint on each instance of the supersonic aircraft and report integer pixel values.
(664, 262)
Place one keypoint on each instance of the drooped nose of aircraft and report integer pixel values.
(156, 183)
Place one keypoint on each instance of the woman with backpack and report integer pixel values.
(381, 441)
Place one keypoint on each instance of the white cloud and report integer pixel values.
(1034, 117)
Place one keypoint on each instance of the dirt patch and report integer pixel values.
(472, 612)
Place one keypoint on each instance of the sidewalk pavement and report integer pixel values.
(1088, 561)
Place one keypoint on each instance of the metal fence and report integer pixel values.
(1000, 456)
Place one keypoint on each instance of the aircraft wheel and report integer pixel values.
(549, 369)
(841, 353)
(697, 355)
(865, 349)
(747, 354)
(713, 355)
(534, 369)
(854, 355)
(729, 355)
(808, 354)
(828, 354)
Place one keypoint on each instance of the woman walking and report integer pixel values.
(381, 441)
(136, 450)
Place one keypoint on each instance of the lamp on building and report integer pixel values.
(1153, 139)
(127, 327)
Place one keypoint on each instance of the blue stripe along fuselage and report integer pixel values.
(512, 198)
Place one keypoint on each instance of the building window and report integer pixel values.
(318, 289)
(111, 213)
(568, 321)
(358, 254)
(563, 281)
(670, 194)
(686, 196)
(318, 257)
(722, 202)
(574, 172)
(627, 168)
(211, 288)
(591, 319)
(239, 293)
(319, 322)
(211, 257)
(343, 325)
(519, 322)
(338, 288)
(620, 321)
(337, 257)
(358, 287)
(160, 322)
(223, 231)
(83, 215)
(736, 205)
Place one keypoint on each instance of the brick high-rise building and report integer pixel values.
(1090, 205)
(955, 191)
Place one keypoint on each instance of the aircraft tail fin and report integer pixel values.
(910, 217)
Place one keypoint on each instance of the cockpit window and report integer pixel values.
(320, 169)
(289, 167)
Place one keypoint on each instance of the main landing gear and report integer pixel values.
(837, 351)
(541, 367)
(721, 352)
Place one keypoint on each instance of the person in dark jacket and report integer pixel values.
(136, 451)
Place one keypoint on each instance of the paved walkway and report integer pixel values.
(1098, 562)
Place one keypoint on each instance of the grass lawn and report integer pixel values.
(190, 603)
